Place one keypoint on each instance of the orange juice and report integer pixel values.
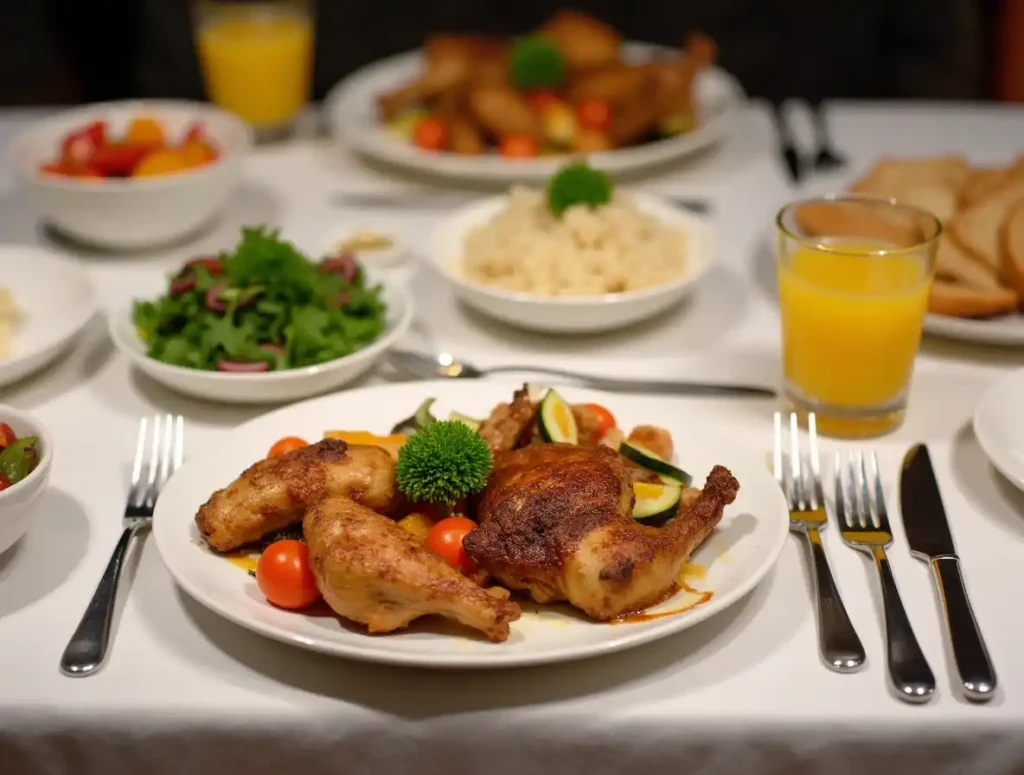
(257, 62)
(851, 323)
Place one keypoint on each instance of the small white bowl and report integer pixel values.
(54, 299)
(16, 501)
(271, 386)
(571, 314)
(131, 213)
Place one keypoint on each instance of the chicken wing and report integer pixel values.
(555, 520)
(374, 572)
(503, 111)
(274, 493)
(585, 42)
(510, 423)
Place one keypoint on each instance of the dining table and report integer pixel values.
(185, 691)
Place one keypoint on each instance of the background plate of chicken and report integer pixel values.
(483, 108)
(558, 524)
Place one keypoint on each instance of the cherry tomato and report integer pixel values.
(430, 134)
(445, 539)
(594, 114)
(78, 149)
(284, 576)
(117, 159)
(7, 435)
(194, 134)
(4, 482)
(605, 419)
(542, 98)
(97, 132)
(286, 445)
(519, 147)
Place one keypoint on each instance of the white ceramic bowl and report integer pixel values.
(124, 213)
(571, 314)
(55, 300)
(16, 501)
(271, 386)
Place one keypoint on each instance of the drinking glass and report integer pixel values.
(854, 275)
(257, 57)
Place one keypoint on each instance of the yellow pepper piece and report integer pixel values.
(366, 439)
(417, 524)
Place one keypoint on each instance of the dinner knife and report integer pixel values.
(787, 145)
(927, 529)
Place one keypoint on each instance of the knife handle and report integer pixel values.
(972, 661)
(837, 640)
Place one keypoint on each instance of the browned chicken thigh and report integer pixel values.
(555, 520)
(374, 572)
(274, 493)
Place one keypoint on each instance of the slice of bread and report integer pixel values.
(952, 263)
(977, 229)
(891, 174)
(951, 298)
(982, 182)
(1012, 256)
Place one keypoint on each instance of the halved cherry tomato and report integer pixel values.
(284, 576)
(542, 98)
(7, 435)
(286, 445)
(594, 114)
(194, 134)
(605, 419)
(54, 168)
(430, 134)
(143, 130)
(519, 147)
(117, 159)
(78, 149)
(4, 482)
(445, 539)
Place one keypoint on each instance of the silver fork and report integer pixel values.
(159, 452)
(837, 640)
(865, 526)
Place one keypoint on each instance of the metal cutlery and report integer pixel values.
(864, 525)
(827, 158)
(444, 365)
(927, 529)
(838, 643)
(787, 145)
(159, 451)
(434, 198)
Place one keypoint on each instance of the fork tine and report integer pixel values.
(795, 463)
(842, 513)
(865, 492)
(166, 452)
(817, 496)
(883, 514)
(777, 469)
(851, 477)
(135, 492)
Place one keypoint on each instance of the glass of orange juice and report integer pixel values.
(854, 274)
(257, 59)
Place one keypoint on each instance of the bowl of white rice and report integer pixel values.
(590, 269)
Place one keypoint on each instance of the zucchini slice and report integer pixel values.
(469, 422)
(656, 503)
(556, 420)
(644, 458)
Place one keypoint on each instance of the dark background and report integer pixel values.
(60, 51)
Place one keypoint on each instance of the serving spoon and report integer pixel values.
(444, 365)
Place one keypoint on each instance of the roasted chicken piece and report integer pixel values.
(612, 84)
(556, 521)
(585, 42)
(376, 573)
(464, 135)
(449, 61)
(510, 424)
(274, 493)
(504, 111)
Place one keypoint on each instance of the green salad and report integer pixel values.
(261, 307)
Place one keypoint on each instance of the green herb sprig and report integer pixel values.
(578, 184)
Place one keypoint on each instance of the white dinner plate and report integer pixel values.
(271, 386)
(742, 549)
(999, 426)
(55, 300)
(1007, 331)
(351, 109)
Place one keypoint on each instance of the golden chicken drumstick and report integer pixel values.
(274, 493)
(374, 572)
(556, 521)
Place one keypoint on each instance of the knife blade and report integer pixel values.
(787, 146)
(930, 539)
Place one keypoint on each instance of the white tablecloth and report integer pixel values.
(185, 691)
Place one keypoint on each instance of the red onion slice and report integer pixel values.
(182, 285)
(243, 367)
(213, 301)
(211, 264)
(344, 265)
